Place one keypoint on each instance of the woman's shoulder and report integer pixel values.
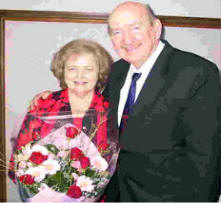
(53, 99)
(57, 95)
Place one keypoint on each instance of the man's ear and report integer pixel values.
(157, 25)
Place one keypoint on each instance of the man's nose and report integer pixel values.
(127, 37)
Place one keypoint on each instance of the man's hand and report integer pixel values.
(34, 101)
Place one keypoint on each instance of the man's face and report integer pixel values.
(133, 36)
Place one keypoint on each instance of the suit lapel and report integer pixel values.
(153, 83)
(123, 68)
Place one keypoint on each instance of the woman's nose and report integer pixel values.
(80, 73)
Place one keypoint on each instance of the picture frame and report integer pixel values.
(76, 18)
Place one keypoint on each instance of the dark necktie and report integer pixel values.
(130, 102)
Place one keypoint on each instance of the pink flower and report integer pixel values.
(75, 176)
(62, 154)
(76, 164)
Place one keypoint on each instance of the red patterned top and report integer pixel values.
(57, 103)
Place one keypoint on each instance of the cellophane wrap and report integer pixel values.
(58, 161)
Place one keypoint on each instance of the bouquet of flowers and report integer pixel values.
(65, 164)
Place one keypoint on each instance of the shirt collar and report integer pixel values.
(149, 63)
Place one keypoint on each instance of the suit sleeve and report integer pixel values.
(201, 121)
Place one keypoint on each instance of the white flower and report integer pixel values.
(25, 153)
(85, 183)
(39, 148)
(22, 164)
(51, 166)
(38, 172)
(29, 164)
(99, 163)
(21, 157)
(75, 176)
(26, 150)
(20, 172)
(51, 156)
(72, 143)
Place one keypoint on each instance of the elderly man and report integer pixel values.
(167, 109)
(170, 137)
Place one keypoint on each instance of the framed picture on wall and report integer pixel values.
(29, 40)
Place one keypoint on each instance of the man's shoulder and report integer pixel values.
(121, 62)
(188, 57)
(120, 66)
(181, 59)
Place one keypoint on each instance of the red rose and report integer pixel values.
(71, 132)
(74, 191)
(85, 162)
(27, 179)
(76, 153)
(102, 147)
(38, 157)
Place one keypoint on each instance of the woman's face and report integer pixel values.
(81, 74)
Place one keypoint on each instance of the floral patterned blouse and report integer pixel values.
(57, 104)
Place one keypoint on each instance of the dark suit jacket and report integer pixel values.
(171, 145)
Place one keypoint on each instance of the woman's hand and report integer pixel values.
(34, 101)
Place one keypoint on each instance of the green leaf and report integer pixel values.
(52, 148)
(89, 172)
(54, 179)
(59, 181)
(33, 189)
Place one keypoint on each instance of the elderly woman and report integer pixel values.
(82, 68)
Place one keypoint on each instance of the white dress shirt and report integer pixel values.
(144, 70)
